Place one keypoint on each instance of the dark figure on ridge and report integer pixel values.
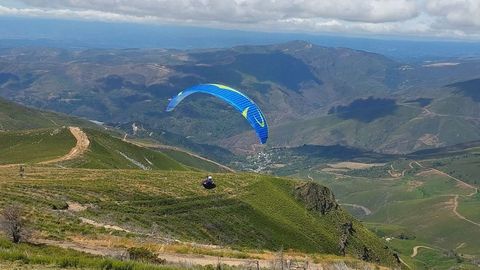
(208, 183)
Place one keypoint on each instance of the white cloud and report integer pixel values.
(244, 10)
(461, 14)
(438, 18)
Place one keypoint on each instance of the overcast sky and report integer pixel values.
(452, 19)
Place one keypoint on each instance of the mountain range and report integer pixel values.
(310, 94)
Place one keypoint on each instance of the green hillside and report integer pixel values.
(415, 202)
(173, 205)
(30, 135)
(398, 128)
(463, 164)
(104, 151)
(107, 152)
(192, 161)
(18, 117)
(34, 145)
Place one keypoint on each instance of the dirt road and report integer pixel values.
(456, 196)
(460, 182)
(455, 205)
(82, 145)
(97, 250)
(363, 208)
(415, 250)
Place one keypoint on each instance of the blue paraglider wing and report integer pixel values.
(238, 100)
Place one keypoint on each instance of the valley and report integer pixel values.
(412, 205)
(325, 96)
(371, 163)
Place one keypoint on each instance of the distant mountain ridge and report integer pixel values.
(310, 94)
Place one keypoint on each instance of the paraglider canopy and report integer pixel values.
(238, 100)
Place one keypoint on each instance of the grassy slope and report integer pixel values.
(107, 152)
(192, 162)
(18, 117)
(104, 152)
(237, 213)
(20, 146)
(469, 207)
(34, 145)
(463, 164)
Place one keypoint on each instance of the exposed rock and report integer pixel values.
(316, 197)
(347, 231)
(366, 256)
(397, 258)
(348, 228)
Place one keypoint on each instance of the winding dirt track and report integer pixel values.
(415, 250)
(455, 205)
(363, 208)
(460, 182)
(82, 145)
(456, 196)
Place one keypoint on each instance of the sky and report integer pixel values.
(439, 19)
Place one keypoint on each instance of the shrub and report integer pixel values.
(59, 205)
(143, 254)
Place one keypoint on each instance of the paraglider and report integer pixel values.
(238, 100)
(208, 183)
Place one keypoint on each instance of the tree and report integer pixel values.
(12, 223)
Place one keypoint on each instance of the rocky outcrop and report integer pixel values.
(316, 197)
(347, 232)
